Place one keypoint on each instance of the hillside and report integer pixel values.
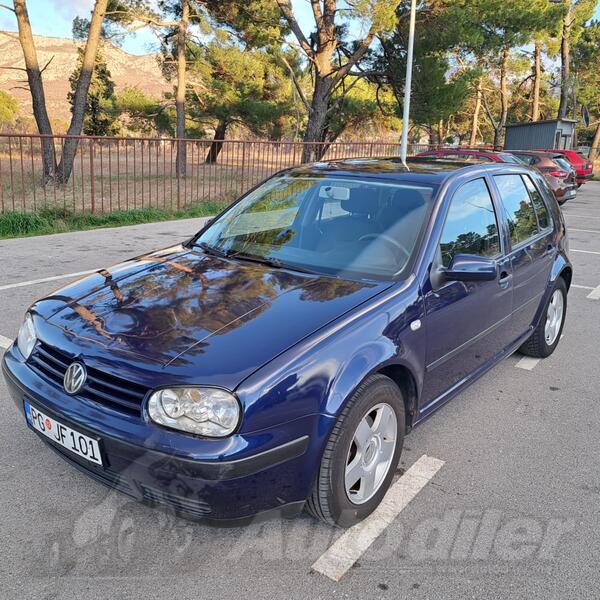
(126, 69)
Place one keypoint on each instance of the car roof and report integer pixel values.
(559, 151)
(540, 153)
(465, 150)
(418, 169)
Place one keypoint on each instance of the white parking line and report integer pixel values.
(5, 342)
(582, 287)
(585, 251)
(594, 294)
(584, 230)
(56, 277)
(349, 547)
(528, 363)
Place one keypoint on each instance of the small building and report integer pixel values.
(552, 134)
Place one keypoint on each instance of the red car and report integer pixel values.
(474, 154)
(583, 167)
(556, 169)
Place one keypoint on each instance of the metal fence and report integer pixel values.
(111, 174)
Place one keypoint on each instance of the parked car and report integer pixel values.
(277, 359)
(559, 174)
(474, 154)
(583, 167)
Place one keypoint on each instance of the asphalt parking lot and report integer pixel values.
(512, 510)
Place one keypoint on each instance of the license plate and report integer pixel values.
(74, 441)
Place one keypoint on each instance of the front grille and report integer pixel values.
(100, 387)
(190, 506)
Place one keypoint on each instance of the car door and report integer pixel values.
(464, 320)
(532, 250)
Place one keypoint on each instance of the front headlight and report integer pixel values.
(203, 411)
(27, 337)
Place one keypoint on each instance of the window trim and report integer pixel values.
(550, 225)
(499, 225)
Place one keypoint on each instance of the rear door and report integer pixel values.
(465, 320)
(532, 250)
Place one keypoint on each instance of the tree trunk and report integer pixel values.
(180, 93)
(36, 87)
(217, 143)
(565, 61)
(476, 111)
(81, 91)
(595, 150)
(317, 120)
(537, 76)
(440, 132)
(503, 98)
(430, 137)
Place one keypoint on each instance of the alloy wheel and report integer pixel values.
(371, 453)
(554, 317)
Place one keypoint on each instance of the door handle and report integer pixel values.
(549, 250)
(504, 280)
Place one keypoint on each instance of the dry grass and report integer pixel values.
(130, 174)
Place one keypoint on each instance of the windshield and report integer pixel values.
(328, 225)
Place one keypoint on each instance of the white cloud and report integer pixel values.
(72, 8)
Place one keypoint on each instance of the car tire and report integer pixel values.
(377, 402)
(540, 344)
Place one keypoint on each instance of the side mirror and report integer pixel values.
(470, 267)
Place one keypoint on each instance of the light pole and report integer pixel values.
(408, 81)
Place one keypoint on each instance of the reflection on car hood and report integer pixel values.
(217, 318)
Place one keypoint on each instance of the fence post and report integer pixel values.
(243, 165)
(92, 191)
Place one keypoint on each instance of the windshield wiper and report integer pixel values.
(213, 250)
(269, 261)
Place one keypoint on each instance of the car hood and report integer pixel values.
(216, 320)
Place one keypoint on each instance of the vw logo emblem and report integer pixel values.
(75, 377)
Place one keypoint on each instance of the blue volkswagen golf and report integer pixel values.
(276, 360)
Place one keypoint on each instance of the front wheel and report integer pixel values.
(547, 334)
(361, 455)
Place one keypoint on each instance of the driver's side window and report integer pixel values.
(471, 226)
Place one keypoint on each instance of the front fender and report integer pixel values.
(318, 375)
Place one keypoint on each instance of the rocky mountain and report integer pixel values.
(126, 70)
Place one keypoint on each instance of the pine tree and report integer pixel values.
(100, 112)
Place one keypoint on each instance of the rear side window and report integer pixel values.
(538, 203)
(471, 226)
(564, 163)
(518, 207)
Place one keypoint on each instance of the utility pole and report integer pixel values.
(408, 81)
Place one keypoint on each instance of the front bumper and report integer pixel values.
(225, 480)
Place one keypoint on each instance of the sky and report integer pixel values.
(54, 18)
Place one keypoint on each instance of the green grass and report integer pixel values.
(47, 221)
